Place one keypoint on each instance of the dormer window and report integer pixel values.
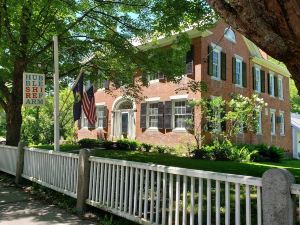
(229, 35)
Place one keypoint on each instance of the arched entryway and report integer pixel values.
(124, 124)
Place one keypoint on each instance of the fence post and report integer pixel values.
(83, 180)
(277, 202)
(20, 162)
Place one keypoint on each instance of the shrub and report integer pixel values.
(125, 144)
(89, 143)
(163, 149)
(276, 154)
(268, 154)
(108, 145)
(146, 147)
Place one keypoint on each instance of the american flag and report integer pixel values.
(89, 107)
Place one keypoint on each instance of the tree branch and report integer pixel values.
(3, 104)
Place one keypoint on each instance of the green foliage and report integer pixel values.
(146, 147)
(2, 123)
(163, 149)
(126, 144)
(108, 145)
(63, 147)
(268, 154)
(38, 125)
(294, 98)
(89, 143)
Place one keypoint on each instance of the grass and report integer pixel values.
(250, 169)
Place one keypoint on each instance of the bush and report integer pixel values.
(146, 147)
(108, 145)
(89, 143)
(276, 154)
(125, 144)
(163, 149)
(268, 154)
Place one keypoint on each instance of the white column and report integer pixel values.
(56, 95)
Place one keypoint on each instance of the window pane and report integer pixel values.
(216, 64)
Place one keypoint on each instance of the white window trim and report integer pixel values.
(273, 111)
(153, 81)
(281, 113)
(259, 132)
(177, 129)
(280, 92)
(228, 37)
(258, 68)
(147, 115)
(272, 89)
(179, 97)
(217, 49)
(240, 60)
(153, 99)
(99, 105)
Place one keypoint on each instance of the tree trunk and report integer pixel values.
(13, 123)
(14, 105)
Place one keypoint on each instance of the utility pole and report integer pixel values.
(56, 94)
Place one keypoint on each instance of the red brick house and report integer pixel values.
(236, 65)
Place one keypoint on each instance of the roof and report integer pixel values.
(295, 120)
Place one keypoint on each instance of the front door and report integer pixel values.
(124, 124)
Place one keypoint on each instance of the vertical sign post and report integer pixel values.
(56, 95)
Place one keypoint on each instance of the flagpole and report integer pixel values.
(56, 95)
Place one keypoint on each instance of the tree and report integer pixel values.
(2, 123)
(222, 119)
(38, 122)
(271, 25)
(98, 29)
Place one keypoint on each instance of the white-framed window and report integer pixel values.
(153, 77)
(273, 121)
(280, 87)
(239, 71)
(84, 121)
(179, 114)
(100, 116)
(259, 125)
(153, 115)
(271, 83)
(257, 79)
(216, 61)
(229, 35)
(281, 123)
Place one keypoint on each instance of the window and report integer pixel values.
(180, 114)
(84, 120)
(216, 63)
(281, 123)
(153, 76)
(100, 117)
(280, 87)
(271, 82)
(229, 35)
(259, 127)
(257, 80)
(153, 115)
(273, 128)
(238, 72)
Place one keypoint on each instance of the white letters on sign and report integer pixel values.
(33, 89)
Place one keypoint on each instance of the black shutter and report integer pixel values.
(233, 70)
(278, 119)
(106, 84)
(160, 115)
(210, 61)
(143, 118)
(105, 117)
(79, 123)
(189, 62)
(244, 69)
(253, 77)
(269, 89)
(276, 86)
(262, 81)
(223, 66)
(168, 115)
(161, 76)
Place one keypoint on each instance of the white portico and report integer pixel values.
(123, 118)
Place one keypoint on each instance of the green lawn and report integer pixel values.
(251, 169)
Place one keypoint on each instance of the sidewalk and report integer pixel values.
(17, 207)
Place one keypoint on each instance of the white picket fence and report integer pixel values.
(148, 193)
(8, 159)
(155, 194)
(58, 171)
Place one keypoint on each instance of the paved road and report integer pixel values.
(16, 207)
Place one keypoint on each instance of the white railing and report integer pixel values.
(58, 171)
(154, 194)
(295, 190)
(8, 159)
